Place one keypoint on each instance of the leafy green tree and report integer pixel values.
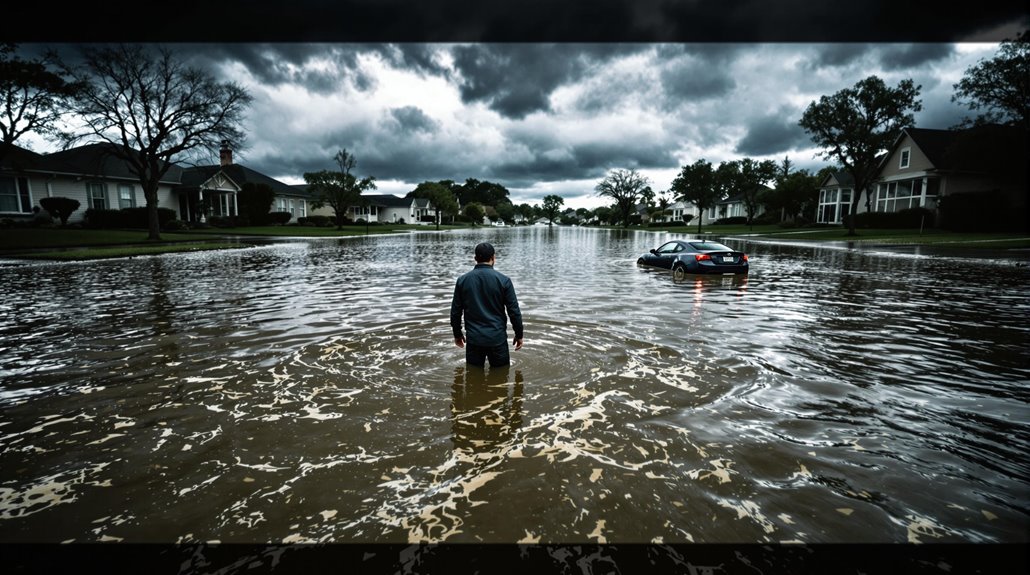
(505, 211)
(486, 193)
(474, 212)
(255, 202)
(1000, 87)
(524, 211)
(699, 185)
(59, 207)
(783, 170)
(440, 196)
(626, 187)
(152, 109)
(339, 189)
(858, 124)
(33, 95)
(552, 205)
(794, 194)
(748, 178)
(605, 214)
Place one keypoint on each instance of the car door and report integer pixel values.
(666, 254)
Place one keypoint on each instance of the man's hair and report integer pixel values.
(484, 252)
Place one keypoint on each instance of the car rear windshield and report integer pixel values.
(709, 247)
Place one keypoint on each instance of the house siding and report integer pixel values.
(74, 188)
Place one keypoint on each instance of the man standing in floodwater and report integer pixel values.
(483, 295)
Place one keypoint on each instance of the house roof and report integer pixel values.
(16, 158)
(842, 178)
(194, 177)
(991, 148)
(388, 200)
(99, 160)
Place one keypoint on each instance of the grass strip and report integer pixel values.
(96, 253)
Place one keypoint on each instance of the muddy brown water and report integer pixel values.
(309, 391)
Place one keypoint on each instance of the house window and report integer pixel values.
(126, 199)
(906, 156)
(96, 193)
(901, 195)
(834, 205)
(14, 195)
(221, 205)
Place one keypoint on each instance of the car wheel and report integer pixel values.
(679, 271)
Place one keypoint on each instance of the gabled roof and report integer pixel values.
(193, 177)
(991, 148)
(18, 159)
(843, 179)
(388, 200)
(99, 160)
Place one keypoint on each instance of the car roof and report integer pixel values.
(700, 244)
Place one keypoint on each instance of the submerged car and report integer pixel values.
(684, 257)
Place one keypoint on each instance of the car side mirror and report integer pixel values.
(654, 251)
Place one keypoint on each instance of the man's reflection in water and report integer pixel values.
(486, 412)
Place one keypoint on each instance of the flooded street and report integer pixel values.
(309, 391)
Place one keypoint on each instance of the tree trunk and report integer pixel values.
(153, 222)
(853, 216)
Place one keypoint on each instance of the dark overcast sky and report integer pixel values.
(548, 96)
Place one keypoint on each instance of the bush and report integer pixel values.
(255, 202)
(221, 221)
(175, 225)
(990, 211)
(99, 218)
(316, 221)
(126, 218)
(59, 207)
(902, 219)
(766, 218)
(41, 218)
(735, 220)
(279, 218)
(668, 224)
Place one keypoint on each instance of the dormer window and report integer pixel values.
(906, 155)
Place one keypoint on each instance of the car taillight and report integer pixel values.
(743, 257)
(701, 257)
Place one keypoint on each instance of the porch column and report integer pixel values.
(200, 205)
(235, 207)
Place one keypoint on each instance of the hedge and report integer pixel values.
(126, 218)
(903, 219)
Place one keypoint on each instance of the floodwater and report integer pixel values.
(310, 391)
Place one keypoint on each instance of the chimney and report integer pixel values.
(225, 153)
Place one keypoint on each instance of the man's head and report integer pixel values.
(484, 253)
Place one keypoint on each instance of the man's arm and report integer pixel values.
(511, 302)
(457, 307)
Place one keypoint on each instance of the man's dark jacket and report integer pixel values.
(484, 294)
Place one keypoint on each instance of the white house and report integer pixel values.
(98, 179)
(392, 209)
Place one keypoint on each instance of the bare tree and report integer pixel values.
(339, 189)
(33, 96)
(626, 187)
(153, 110)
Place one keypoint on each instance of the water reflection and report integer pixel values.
(486, 409)
(308, 391)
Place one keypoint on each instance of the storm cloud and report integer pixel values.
(543, 111)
